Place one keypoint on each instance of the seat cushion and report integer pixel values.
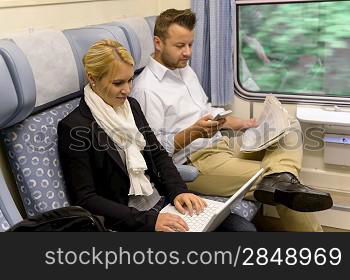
(245, 208)
(32, 151)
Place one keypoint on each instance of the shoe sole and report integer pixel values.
(303, 202)
(298, 201)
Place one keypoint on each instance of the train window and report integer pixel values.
(294, 49)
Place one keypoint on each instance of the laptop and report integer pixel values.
(215, 212)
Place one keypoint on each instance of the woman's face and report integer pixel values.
(115, 87)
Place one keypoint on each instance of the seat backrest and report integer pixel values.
(32, 151)
(30, 141)
(12, 108)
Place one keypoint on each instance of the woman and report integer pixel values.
(112, 162)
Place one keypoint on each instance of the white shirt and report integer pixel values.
(173, 100)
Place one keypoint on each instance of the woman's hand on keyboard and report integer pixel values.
(170, 223)
(189, 202)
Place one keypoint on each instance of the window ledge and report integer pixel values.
(331, 115)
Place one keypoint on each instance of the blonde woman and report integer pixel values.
(112, 162)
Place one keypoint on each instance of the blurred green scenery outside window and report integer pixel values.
(295, 48)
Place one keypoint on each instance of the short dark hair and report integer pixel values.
(185, 18)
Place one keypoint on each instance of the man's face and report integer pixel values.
(176, 49)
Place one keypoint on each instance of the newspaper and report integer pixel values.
(272, 126)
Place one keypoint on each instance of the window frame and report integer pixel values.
(285, 98)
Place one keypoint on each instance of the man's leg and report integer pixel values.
(287, 154)
(282, 164)
(224, 171)
(221, 173)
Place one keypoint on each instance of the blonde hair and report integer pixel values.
(98, 60)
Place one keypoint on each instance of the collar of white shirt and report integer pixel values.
(159, 70)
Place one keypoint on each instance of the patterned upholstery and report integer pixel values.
(32, 150)
(246, 209)
(4, 225)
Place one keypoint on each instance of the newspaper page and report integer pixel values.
(272, 124)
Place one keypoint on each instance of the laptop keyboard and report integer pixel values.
(197, 223)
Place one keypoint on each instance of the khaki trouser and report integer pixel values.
(224, 169)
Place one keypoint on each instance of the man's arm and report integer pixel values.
(205, 127)
(236, 123)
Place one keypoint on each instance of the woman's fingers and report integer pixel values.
(179, 207)
(176, 223)
(179, 224)
(189, 206)
(198, 203)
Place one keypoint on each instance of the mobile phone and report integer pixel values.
(222, 115)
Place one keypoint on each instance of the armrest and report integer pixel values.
(188, 173)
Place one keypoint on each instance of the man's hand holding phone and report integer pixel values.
(206, 126)
(222, 115)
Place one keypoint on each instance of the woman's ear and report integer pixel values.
(91, 79)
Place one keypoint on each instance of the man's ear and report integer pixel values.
(158, 44)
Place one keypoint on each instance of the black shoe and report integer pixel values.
(284, 188)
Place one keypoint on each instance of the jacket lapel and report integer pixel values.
(138, 122)
(104, 142)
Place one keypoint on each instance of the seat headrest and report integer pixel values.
(81, 39)
(140, 38)
(17, 84)
(132, 44)
(151, 21)
(49, 50)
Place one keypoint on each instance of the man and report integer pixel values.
(177, 108)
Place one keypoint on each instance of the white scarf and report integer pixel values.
(119, 125)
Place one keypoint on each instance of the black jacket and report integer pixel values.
(97, 179)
